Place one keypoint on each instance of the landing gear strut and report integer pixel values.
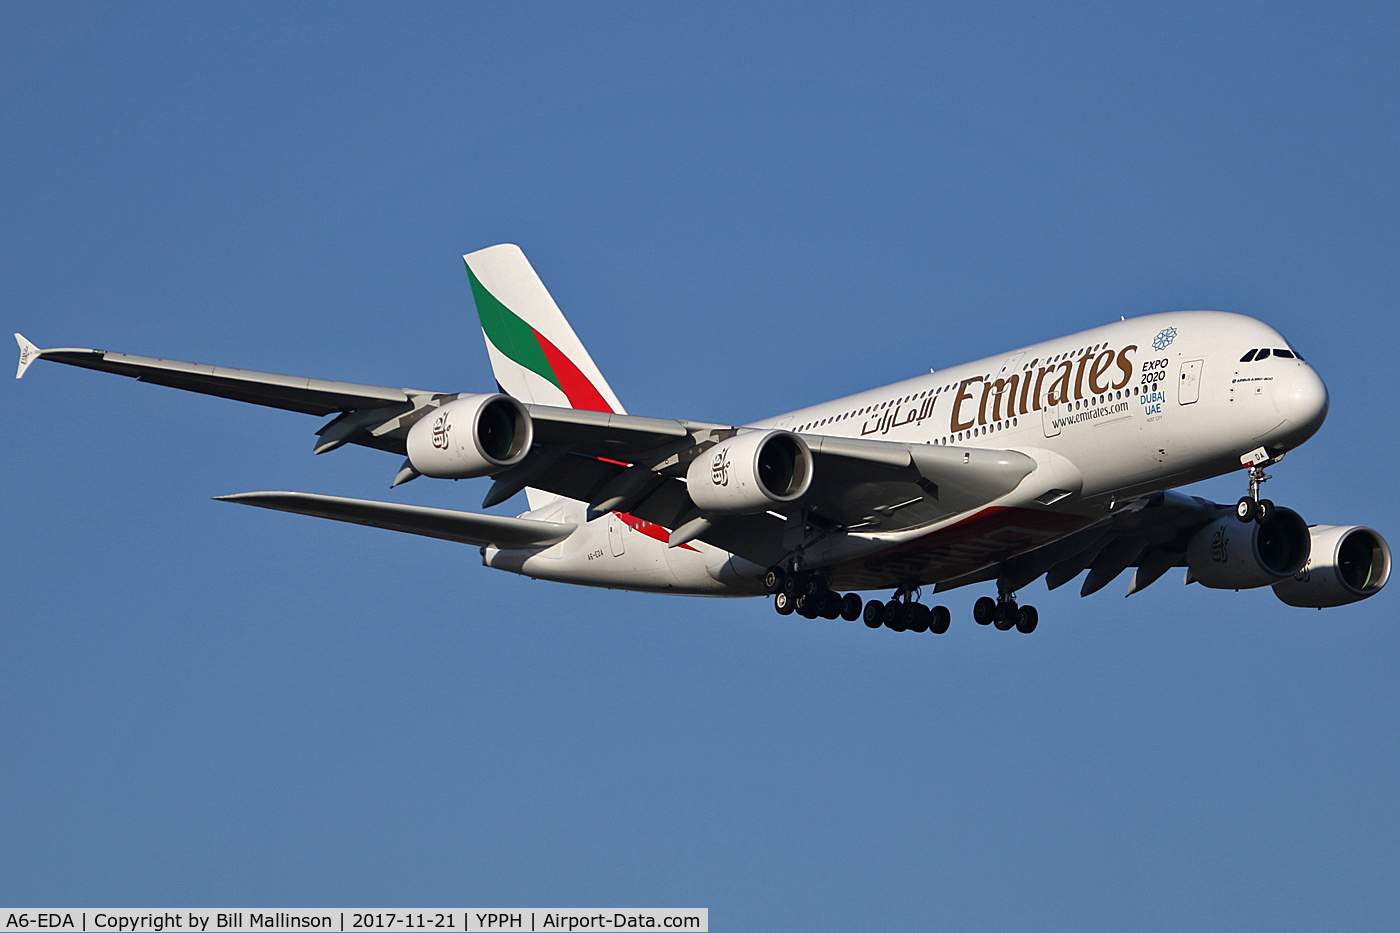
(1251, 508)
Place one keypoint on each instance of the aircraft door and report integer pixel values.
(1009, 366)
(616, 530)
(1050, 419)
(1189, 385)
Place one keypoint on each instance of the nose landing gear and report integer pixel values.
(1251, 508)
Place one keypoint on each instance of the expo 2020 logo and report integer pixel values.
(1164, 339)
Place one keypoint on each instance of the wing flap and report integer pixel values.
(462, 527)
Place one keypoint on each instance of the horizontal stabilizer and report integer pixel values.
(463, 527)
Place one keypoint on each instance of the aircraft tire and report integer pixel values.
(919, 618)
(1265, 510)
(773, 580)
(850, 607)
(942, 618)
(984, 610)
(783, 602)
(896, 619)
(831, 605)
(1028, 620)
(1005, 617)
(874, 614)
(1246, 510)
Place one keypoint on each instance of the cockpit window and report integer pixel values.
(1285, 354)
(1248, 356)
(1263, 354)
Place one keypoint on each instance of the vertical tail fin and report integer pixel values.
(534, 352)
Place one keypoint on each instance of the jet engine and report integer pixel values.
(751, 473)
(1348, 563)
(1229, 554)
(473, 435)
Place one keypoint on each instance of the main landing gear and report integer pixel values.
(808, 595)
(902, 614)
(1251, 508)
(1005, 614)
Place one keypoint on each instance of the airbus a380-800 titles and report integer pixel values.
(1049, 460)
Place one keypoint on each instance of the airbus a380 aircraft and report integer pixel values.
(1049, 460)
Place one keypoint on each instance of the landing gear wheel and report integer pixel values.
(919, 617)
(1006, 617)
(831, 605)
(773, 580)
(984, 610)
(874, 613)
(1265, 509)
(807, 606)
(941, 619)
(784, 603)
(850, 607)
(1028, 620)
(790, 582)
(895, 616)
(1247, 510)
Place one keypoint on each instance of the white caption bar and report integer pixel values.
(351, 920)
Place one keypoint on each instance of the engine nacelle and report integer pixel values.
(1348, 563)
(475, 435)
(1229, 554)
(751, 473)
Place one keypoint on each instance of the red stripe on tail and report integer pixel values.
(581, 393)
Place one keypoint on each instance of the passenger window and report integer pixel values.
(1248, 356)
(1285, 354)
(1263, 355)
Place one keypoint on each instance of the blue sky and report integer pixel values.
(742, 209)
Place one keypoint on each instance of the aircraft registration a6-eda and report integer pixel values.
(1049, 460)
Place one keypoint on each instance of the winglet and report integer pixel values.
(28, 353)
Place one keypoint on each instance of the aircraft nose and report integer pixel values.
(1304, 402)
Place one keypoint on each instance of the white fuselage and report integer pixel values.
(1111, 413)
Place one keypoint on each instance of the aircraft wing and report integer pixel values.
(292, 393)
(371, 416)
(463, 527)
(1150, 534)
